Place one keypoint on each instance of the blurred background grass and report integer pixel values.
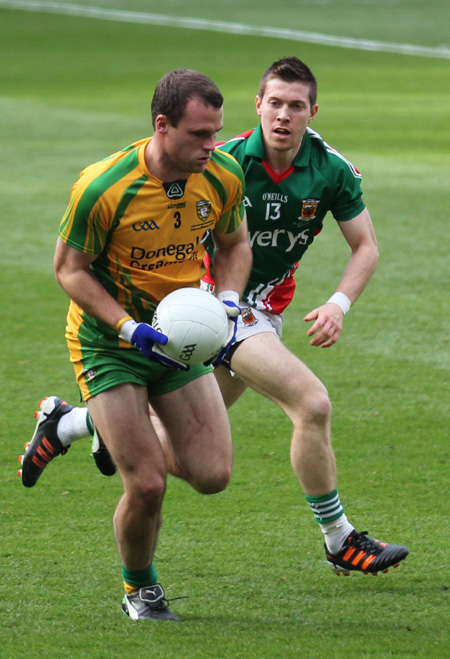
(73, 90)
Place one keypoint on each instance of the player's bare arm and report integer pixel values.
(232, 259)
(360, 236)
(73, 274)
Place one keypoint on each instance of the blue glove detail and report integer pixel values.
(146, 339)
(233, 312)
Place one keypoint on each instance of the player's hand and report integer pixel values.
(230, 300)
(328, 324)
(147, 340)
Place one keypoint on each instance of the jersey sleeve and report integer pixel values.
(85, 222)
(348, 200)
(230, 185)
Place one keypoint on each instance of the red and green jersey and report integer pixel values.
(286, 211)
(148, 235)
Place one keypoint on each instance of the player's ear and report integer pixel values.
(314, 111)
(258, 101)
(161, 123)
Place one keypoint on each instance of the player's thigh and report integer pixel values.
(122, 418)
(265, 364)
(196, 421)
(231, 387)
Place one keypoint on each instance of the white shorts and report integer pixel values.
(252, 321)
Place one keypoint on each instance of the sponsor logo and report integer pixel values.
(148, 225)
(154, 259)
(248, 317)
(247, 202)
(203, 209)
(279, 238)
(174, 190)
(309, 208)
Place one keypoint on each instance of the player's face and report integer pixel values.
(188, 146)
(285, 111)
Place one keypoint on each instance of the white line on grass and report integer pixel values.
(230, 28)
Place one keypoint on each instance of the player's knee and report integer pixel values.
(317, 407)
(149, 494)
(215, 481)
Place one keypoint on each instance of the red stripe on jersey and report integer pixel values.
(207, 277)
(242, 136)
(281, 295)
(277, 178)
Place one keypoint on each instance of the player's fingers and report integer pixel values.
(312, 315)
(328, 335)
(314, 328)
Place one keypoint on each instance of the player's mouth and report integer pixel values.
(282, 131)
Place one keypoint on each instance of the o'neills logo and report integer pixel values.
(203, 209)
(174, 190)
(309, 208)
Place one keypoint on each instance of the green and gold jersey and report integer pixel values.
(148, 235)
(286, 211)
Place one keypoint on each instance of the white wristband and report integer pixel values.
(342, 301)
(233, 296)
(127, 330)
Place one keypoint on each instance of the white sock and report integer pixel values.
(73, 426)
(336, 533)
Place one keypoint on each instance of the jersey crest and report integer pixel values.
(203, 209)
(309, 208)
(248, 317)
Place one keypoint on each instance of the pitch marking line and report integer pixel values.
(230, 28)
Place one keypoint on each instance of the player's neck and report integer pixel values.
(160, 166)
(280, 161)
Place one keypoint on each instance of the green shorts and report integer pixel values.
(98, 370)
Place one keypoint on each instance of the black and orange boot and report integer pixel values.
(45, 444)
(361, 553)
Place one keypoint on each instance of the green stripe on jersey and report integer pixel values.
(96, 189)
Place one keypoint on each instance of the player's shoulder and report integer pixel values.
(325, 155)
(110, 169)
(236, 145)
(226, 162)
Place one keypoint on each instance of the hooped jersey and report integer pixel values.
(286, 211)
(149, 236)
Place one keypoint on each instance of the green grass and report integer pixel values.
(250, 560)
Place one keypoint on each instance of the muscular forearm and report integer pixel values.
(232, 267)
(358, 272)
(329, 316)
(83, 287)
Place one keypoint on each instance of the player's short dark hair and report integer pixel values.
(290, 69)
(177, 88)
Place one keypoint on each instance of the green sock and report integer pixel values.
(326, 508)
(89, 423)
(136, 579)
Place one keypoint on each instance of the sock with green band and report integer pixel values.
(135, 579)
(74, 425)
(326, 508)
(329, 513)
(90, 425)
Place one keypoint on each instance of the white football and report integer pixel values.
(195, 322)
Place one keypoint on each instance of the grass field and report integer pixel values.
(250, 560)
